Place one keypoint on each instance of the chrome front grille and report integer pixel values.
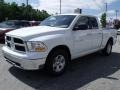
(15, 43)
(19, 41)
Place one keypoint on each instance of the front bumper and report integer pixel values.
(22, 63)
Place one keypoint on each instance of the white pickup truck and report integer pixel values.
(58, 40)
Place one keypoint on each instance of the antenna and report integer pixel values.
(27, 2)
(60, 6)
(116, 11)
(106, 9)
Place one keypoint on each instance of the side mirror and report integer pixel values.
(80, 27)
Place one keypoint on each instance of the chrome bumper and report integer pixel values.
(25, 64)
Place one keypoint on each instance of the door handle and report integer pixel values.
(89, 34)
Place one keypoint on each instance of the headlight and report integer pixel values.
(35, 46)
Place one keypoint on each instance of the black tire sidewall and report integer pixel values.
(50, 60)
(105, 49)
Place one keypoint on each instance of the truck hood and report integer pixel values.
(32, 32)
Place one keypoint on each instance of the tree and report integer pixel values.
(2, 10)
(1, 1)
(103, 20)
(13, 11)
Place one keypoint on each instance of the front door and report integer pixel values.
(82, 39)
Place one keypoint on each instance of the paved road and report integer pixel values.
(92, 72)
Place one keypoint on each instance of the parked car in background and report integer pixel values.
(9, 25)
(35, 23)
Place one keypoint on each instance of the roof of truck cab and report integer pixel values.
(77, 14)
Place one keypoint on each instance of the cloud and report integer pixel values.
(110, 15)
(111, 11)
(52, 6)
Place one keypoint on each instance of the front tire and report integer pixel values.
(57, 62)
(108, 49)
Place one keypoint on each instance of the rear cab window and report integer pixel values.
(93, 24)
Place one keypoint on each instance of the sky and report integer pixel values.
(89, 7)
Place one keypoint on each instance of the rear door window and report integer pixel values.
(93, 24)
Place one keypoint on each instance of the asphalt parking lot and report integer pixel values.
(92, 72)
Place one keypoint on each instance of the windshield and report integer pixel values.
(14, 24)
(62, 21)
(7, 24)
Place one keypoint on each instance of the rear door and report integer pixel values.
(95, 33)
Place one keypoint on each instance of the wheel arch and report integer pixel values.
(62, 47)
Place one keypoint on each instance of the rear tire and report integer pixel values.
(108, 49)
(57, 62)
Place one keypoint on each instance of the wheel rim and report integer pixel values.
(109, 47)
(59, 63)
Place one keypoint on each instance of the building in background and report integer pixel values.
(78, 10)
